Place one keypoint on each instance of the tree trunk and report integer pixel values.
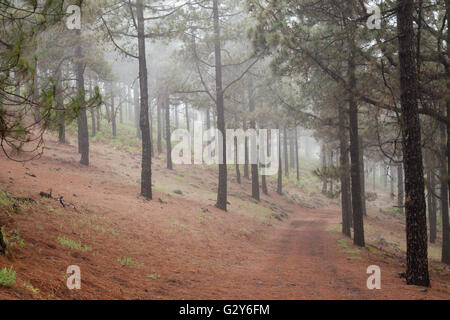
(445, 138)
(168, 142)
(344, 174)
(222, 189)
(83, 129)
(255, 173)
(432, 207)
(238, 170)
(159, 125)
(113, 114)
(137, 110)
(416, 219)
(285, 149)
(99, 110)
(187, 118)
(247, 160)
(392, 182)
(331, 179)
(357, 197)
(175, 112)
(60, 105)
(280, 168)
(146, 173)
(292, 141)
(36, 111)
(385, 177)
(445, 217)
(323, 157)
(374, 177)
(263, 160)
(363, 177)
(93, 123)
(297, 164)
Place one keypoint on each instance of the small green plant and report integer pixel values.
(353, 251)
(20, 242)
(30, 287)
(125, 261)
(371, 250)
(342, 243)
(154, 276)
(73, 244)
(7, 277)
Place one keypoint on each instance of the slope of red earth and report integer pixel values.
(179, 246)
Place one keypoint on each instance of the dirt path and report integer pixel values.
(302, 261)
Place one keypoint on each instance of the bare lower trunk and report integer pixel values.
(83, 129)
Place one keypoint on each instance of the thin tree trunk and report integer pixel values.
(176, 116)
(159, 125)
(60, 104)
(247, 160)
(263, 160)
(113, 115)
(445, 188)
(363, 177)
(168, 142)
(445, 216)
(297, 164)
(323, 157)
(146, 173)
(280, 168)
(331, 179)
(187, 117)
(222, 189)
(292, 142)
(357, 203)
(285, 149)
(416, 219)
(344, 174)
(385, 177)
(432, 207)
(83, 129)
(98, 118)
(137, 110)
(255, 173)
(238, 170)
(392, 182)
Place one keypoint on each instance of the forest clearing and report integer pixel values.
(181, 246)
(224, 150)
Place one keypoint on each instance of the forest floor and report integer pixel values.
(179, 246)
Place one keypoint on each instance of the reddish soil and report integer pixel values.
(180, 245)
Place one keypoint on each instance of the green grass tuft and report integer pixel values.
(7, 277)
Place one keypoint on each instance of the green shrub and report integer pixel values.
(7, 277)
